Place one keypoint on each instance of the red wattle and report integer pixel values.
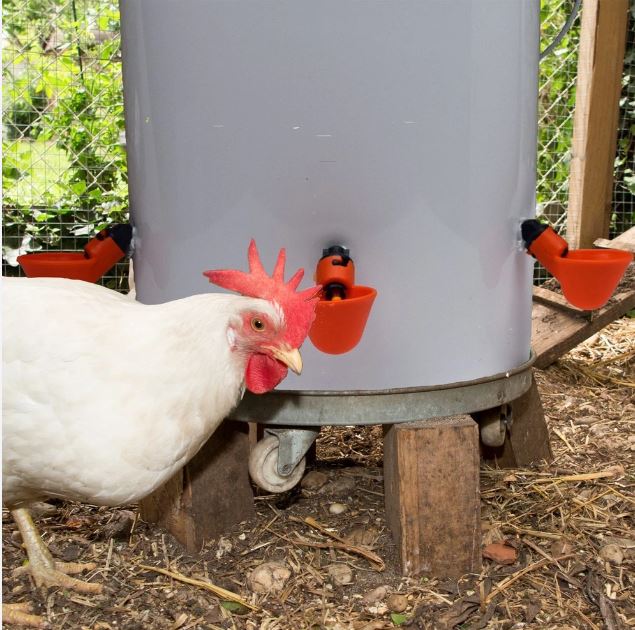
(263, 373)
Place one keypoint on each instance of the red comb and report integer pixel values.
(298, 307)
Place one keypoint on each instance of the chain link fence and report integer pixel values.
(624, 184)
(556, 99)
(64, 169)
(556, 104)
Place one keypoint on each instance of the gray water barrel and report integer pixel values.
(402, 129)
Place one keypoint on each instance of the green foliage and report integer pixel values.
(87, 123)
(25, 113)
(556, 101)
(64, 173)
(19, 16)
(398, 619)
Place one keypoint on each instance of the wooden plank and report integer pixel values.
(527, 441)
(551, 298)
(595, 123)
(625, 241)
(210, 494)
(555, 332)
(431, 477)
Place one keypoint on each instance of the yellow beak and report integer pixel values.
(290, 357)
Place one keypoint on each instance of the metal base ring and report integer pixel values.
(325, 408)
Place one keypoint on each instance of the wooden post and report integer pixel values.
(595, 122)
(210, 494)
(256, 433)
(431, 481)
(528, 440)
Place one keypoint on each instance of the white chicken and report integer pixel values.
(105, 398)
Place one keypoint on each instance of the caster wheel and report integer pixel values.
(263, 467)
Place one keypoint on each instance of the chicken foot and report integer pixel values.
(42, 567)
(20, 615)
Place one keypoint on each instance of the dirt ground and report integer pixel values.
(579, 508)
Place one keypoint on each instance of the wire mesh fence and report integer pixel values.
(556, 105)
(624, 183)
(64, 169)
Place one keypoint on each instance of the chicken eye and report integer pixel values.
(257, 324)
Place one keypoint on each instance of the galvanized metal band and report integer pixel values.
(319, 408)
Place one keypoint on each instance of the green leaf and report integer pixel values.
(78, 187)
(234, 607)
(398, 619)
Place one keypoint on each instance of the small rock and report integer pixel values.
(376, 595)
(340, 574)
(561, 547)
(337, 508)
(339, 486)
(500, 553)
(270, 576)
(397, 602)
(71, 553)
(612, 554)
(314, 480)
(224, 546)
(621, 542)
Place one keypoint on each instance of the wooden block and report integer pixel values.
(528, 440)
(210, 494)
(431, 480)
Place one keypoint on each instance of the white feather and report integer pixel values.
(104, 397)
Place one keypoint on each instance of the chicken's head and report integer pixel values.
(271, 336)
